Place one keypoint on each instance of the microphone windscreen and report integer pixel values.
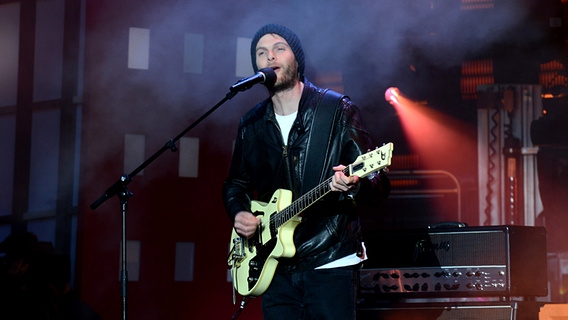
(269, 76)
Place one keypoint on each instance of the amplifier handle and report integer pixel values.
(448, 224)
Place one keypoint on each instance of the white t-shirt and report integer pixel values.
(285, 123)
(349, 260)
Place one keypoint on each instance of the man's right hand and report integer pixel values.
(246, 223)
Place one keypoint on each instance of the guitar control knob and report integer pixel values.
(254, 265)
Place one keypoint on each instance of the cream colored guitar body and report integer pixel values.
(260, 253)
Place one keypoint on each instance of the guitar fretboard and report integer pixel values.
(302, 203)
(365, 164)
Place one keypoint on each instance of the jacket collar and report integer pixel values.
(306, 103)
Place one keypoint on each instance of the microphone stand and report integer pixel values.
(119, 189)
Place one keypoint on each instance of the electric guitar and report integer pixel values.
(253, 261)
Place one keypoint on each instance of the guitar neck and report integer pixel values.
(303, 202)
(365, 164)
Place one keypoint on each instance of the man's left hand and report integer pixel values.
(342, 183)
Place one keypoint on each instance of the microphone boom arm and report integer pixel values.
(120, 185)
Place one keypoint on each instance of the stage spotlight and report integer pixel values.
(391, 95)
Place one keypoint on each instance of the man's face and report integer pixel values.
(272, 51)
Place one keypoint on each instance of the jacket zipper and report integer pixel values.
(284, 146)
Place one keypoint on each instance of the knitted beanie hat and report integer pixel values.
(288, 35)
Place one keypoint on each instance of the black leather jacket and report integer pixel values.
(262, 164)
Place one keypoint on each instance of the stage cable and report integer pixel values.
(244, 302)
(491, 166)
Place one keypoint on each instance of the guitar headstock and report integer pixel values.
(372, 161)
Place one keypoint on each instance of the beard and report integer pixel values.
(287, 79)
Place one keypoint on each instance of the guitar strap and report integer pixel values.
(319, 140)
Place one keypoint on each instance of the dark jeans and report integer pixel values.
(324, 294)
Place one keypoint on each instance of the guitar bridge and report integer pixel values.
(238, 249)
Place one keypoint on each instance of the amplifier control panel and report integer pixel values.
(443, 280)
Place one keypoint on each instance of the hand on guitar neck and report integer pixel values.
(341, 182)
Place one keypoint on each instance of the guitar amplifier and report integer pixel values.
(454, 262)
(512, 310)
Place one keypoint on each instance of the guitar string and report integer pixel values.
(302, 203)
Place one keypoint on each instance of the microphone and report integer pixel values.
(266, 76)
